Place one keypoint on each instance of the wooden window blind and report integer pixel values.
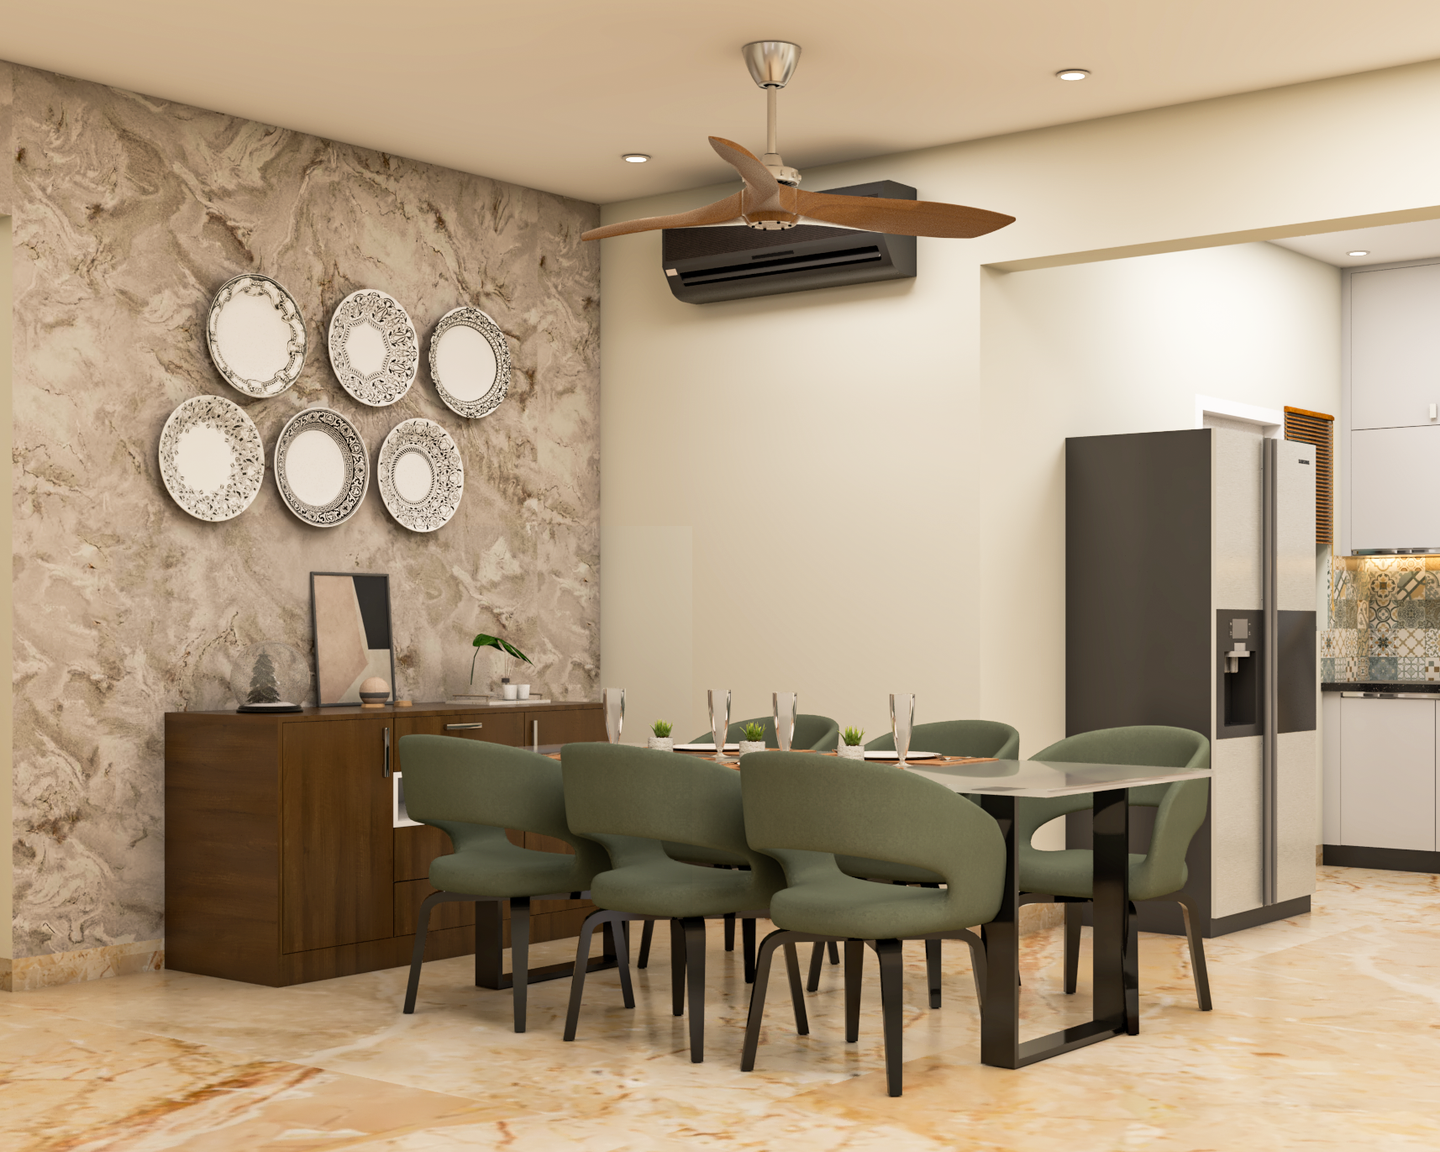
(1318, 429)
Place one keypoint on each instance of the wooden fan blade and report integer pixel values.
(716, 213)
(900, 217)
(761, 180)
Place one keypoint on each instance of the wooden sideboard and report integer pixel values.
(283, 863)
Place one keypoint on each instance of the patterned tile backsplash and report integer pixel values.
(1384, 619)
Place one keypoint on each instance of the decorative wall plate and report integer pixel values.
(420, 475)
(322, 467)
(469, 362)
(373, 347)
(256, 335)
(211, 458)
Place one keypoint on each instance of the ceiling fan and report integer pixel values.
(772, 198)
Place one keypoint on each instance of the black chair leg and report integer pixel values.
(817, 958)
(1197, 954)
(747, 944)
(582, 966)
(892, 1008)
(645, 934)
(677, 967)
(1072, 947)
(797, 991)
(730, 933)
(979, 966)
(932, 970)
(417, 955)
(620, 942)
(854, 971)
(756, 1015)
(694, 929)
(519, 956)
(834, 952)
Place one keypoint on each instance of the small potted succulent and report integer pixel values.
(508, 691)
(662, 740)
(850, 747)
(752, 738)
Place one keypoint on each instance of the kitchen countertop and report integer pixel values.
(1430, 686)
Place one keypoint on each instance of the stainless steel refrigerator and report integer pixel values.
(1190, 600)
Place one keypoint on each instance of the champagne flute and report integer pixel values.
(787, 704)
(719, 700)
(613, 702)
(902, 720)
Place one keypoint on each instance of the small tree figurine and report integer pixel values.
(504, 647)
(264, 687)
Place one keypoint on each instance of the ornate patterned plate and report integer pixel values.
(469, 362)
(322, 467)
(420, 475)
(256, 335)
(373, 347)
(211, 458)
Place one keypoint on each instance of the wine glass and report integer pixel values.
(613, 701)
(902, 720)
(719, 699)
(787, 704)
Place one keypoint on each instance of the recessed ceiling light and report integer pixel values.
(634, 157)
(1357, 252)
(1072, 74)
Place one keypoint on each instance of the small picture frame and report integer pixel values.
(350, 618)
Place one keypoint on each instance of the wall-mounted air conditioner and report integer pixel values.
(703, 265)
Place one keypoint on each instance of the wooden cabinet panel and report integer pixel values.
(416, 847)
(1387, 774)
(568, 727)
(410, 894)
(337, 836)
(505, 728)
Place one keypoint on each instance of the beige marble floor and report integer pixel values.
(1326, 1034)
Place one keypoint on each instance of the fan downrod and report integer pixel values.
(771, 64)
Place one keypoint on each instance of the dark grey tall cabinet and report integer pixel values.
(1190, 601)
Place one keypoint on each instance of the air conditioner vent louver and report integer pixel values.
(703, 265)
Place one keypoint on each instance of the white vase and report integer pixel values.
(522, 691)
(851, 751)
(747, 746)
(662, 743)
(509, 691)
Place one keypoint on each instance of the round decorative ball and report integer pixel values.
(374, 692)
(270, 677)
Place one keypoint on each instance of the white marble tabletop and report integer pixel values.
(1037, 778)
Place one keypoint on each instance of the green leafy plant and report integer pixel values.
(662, 728)
(504, 646)
(754, 732)
(853, 736)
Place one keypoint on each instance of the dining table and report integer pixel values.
(996, 785)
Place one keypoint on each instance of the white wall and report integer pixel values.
(869, 510)
(7, 763)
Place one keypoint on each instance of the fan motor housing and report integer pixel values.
(704, 265)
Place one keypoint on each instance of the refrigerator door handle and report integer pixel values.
(1270, 672)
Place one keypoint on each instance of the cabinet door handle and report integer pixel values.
(535, 734)
(386, 772)
(463, 727)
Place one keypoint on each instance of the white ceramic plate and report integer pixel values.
(420, 475)
(211, 458)
(256, 335)
(469, 362)
(880, 755)
(373, 347)
(705, 747)
(322, 467)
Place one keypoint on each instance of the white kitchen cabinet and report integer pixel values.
(1393, 473)
(1387, 774)
(1395, 347)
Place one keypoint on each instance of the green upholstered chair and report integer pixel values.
(474, 790)
(815, 733)
(804, 810)
(631, 800)
(988, 738)
(1160, 873)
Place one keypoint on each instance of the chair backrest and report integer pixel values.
(451, 781)
(618, 790)
(800, 802)
(959, 738)
(817, 733)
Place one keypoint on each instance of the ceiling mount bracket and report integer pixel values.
(771, 62)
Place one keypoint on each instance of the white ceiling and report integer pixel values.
(1384, 245)
(549, 93)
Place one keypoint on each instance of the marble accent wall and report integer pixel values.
(129, 212)
(1384, 619)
